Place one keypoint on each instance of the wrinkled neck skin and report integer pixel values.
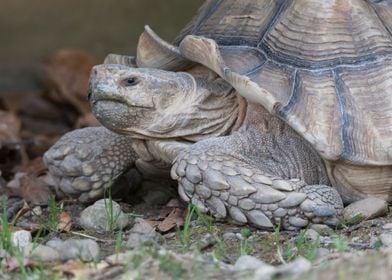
(209, 110)
(205, 109)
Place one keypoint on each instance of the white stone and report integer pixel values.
(96, 217)
(21, 239)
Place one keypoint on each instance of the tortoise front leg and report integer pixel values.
(224, 184)
(86, 161)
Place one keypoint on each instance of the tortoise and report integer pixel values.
(266, 112)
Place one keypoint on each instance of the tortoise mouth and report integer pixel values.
(117, 115)
(102, 98)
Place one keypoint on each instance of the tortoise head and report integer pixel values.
(149, 103)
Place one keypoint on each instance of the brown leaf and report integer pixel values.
(30, 187)
(79, 269)
(64, 222)
(173, 219)
(68, 71)
(9, 127)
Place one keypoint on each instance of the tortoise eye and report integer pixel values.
(131, 81)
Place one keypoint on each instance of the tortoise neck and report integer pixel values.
(220, 111)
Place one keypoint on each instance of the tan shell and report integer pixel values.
(325, 67)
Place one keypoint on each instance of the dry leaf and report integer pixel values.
(68, 71)
(29, 187)
(79, 269)
(64, 222)
(169, 218)
(9, 127)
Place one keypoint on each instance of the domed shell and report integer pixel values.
(324, 67)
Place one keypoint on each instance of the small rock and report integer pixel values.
(387, 227)
(365, 209)
(322, 229)
(264, 272)
(37, 211)
(96, 217)
(386, 239)
(45, 253)
(239, 236)
(356, 239)
(207, 241)
(322, 252)
(142, 233)
(229, 236)
(83, 249)
(312, 235)
(299, 265)
(247, 262)
(55, 243)
(21, 239)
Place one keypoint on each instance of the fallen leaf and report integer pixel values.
(9, 127)
(29, 187)
(79, 269)
(64, 222)
(169, 218)
(68, 72)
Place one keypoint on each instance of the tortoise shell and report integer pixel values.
(324, 67)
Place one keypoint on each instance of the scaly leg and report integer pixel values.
(86, 161)
(226, 185)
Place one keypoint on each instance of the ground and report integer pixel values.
(170, 240)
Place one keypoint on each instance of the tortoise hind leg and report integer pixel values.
(226, 186)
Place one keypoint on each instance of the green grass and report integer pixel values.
(340, 244)
(244, 243)
(184, 234)
(5, 232)
(53, 214)
(300, 245)
(111, 215)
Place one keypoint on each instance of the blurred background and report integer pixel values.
(47, 49)
(31, 30)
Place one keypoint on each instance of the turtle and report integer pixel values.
(266, 112)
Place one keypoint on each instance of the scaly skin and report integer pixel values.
(264, 174)
(86, 161)
(244, 163)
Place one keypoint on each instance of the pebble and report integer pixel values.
(37, 211)
(247, 262)
(312, 235)
(366, 209)
(21, 239)
(83, 249)
(45, 253)
(95, 217)
(142, 233)
(322, 252)
(322, 229)
(299, 265)
(208, 240)
(386, 239)
(229, 236)
(265, 272)
(387, 227)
